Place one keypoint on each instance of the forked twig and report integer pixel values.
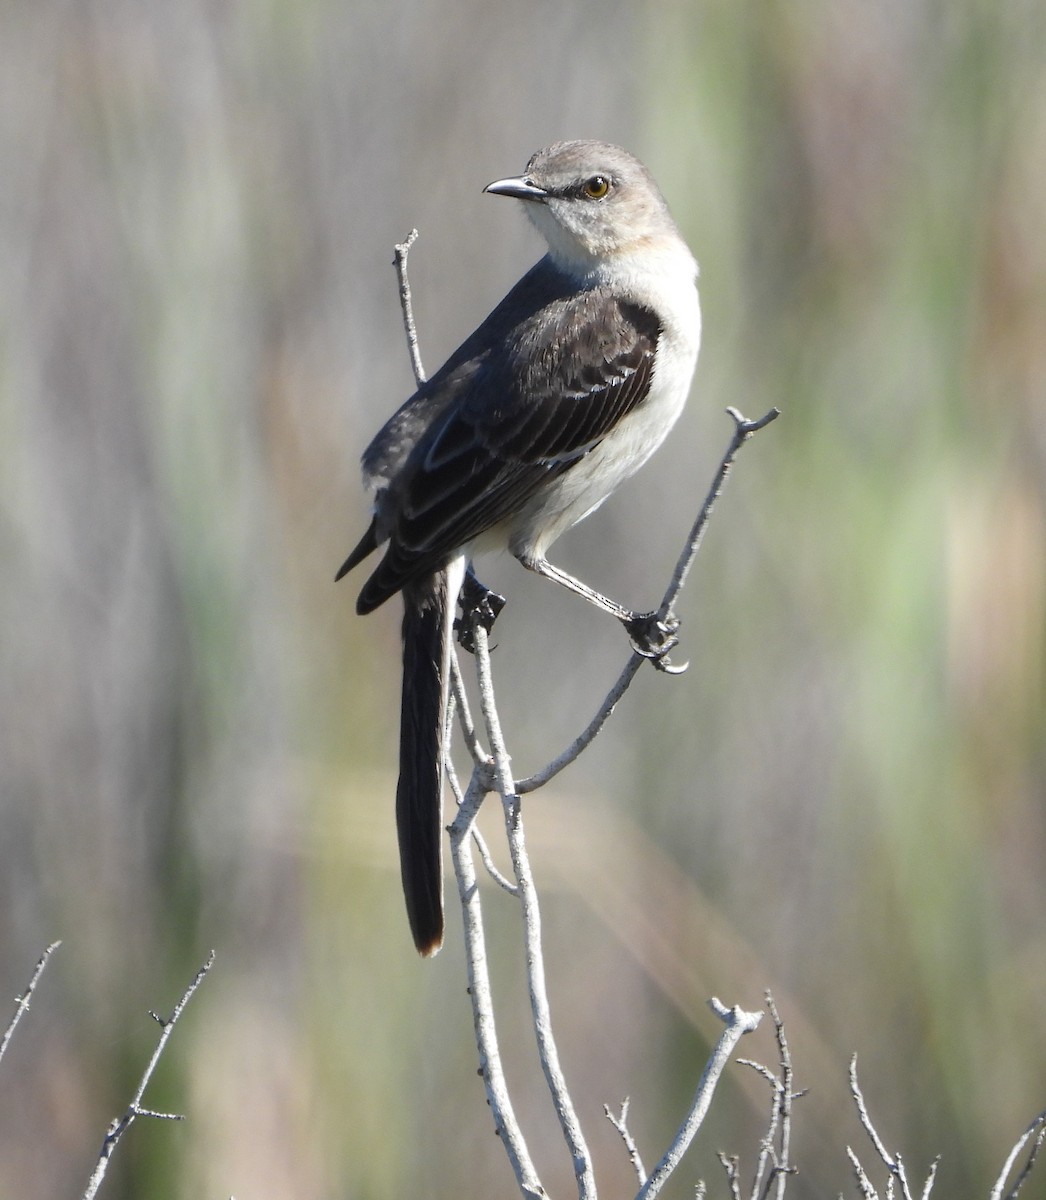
(773, 1166)
(120, 1125)
(893, 1162)
(738, 1023)
(620, 1123)
(1037, 1131)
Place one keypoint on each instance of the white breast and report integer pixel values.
(572, 496)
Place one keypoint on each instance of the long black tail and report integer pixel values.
(427, 629)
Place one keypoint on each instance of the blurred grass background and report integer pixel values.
(842, 800)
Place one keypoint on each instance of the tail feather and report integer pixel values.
(427, 630)
(366, 545)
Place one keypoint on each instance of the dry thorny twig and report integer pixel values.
(119, 1125)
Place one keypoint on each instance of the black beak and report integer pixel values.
(519, 187)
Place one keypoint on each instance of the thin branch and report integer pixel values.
(743, 431)
(22, 1001)
(120, 1125)
(866, 1120)
(784, 1096)
(1037, 1129)
(480, 841)
(407, 307)
(732, 1166)
(930, 1178)
(490, 1068)
(501, 880)
(535, 965)
(863, 1182)
(532, 782)
(737, 1023)
(773, 1167)
(768, 1155)
(620, 1123)
(468, 728)
(893, 1163)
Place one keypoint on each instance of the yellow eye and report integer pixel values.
(596, 187)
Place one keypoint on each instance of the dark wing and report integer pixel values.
(535, 402)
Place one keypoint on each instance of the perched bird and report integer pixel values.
(563, 391)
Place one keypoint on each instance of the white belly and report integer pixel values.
(585, 486)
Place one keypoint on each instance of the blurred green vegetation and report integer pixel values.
(843, 800)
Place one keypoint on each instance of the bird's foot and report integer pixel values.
(653, 636)
(479, 605)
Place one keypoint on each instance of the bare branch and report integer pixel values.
(732, 1167)
(893, 1163)
(490, 1068)
(547, 1050)
(930, 1178)
(120, 1125)
(743, 430)
(620, 1123)
(1036, 1129)
(863, 1182)
(866, 1121)
(468, 729)
(588, 735)
(738, 1023)
(772, 1166)
(481, 844)
(784, 1096)
(462, 832)
(502, 881)
(407, 307)
(22, 1001)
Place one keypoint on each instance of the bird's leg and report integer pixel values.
(478, 603)
(651, 634)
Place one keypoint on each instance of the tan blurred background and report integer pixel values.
(842, 800)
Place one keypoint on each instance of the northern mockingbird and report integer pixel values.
(563, 392)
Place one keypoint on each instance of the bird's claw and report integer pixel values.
(652, 636)
(479, 606)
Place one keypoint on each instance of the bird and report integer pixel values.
(560, 394)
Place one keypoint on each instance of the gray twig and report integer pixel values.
(490, 1068)
(620, 1123)
(468, 729)
(731, 1165)
(738, 1023)
(535, 964)
(863, 1182)
(407, 307)
(893, 1162)
(1036, 1130)
(22, 1001)
(776, 1145)
(743, 431)
(120, 1125)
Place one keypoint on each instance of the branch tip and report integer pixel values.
(22, 1001)
(745, 427)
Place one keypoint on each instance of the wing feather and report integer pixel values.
(528, 405)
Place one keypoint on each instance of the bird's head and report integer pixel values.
(591, 201)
